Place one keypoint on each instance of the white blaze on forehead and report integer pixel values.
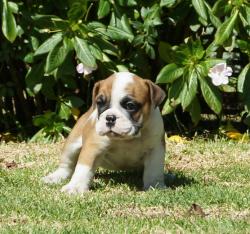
(122, 79)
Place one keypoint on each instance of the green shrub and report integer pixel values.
(175, 41)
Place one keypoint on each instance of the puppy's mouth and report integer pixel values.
(111, 133)
(121, 133)
(127, 135)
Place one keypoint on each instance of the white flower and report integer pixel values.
(82, 69)
(220, 73)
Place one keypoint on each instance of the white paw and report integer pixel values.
(72, 188)
(57, 176)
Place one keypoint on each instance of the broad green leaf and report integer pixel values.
(83, 52)
(29, 58)
(138, 40)
(244, 21)
(174, 96)
(226, 29)
(195, 27)
(200, 8)
(125, 24)
(120, 21)
(121, 68)
(194, 110)
(243, 77)
(151, 15)
(33, 78)
(245, 17)
(97, 28)
(211, 95)
(244, 46)
(175, 89)
(64, 111)
(214, 19)
(9, 27)
(34, 42)
(96, 52)
(56, 57)
(127, 2)
(211, 49)
(105, 46)
(150, 50)
(167, 3)
(169, 73)
(13, 7)
(222, 8)
(103, 8)
(197, 49)
(167, 108)
(49, 44)
(117, 34)
(95, 25)
(190, 89)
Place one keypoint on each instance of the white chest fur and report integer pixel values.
(125, 154)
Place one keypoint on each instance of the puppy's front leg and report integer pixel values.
(69, 155)
(153, 175)
(84, 170)
(68, 161)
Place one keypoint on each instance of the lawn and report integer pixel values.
(208, 192)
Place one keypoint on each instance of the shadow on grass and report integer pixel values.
(177, 179)
(134, 179)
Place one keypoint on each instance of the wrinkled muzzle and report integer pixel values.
(114, 123)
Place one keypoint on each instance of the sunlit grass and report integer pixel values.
(214, 175)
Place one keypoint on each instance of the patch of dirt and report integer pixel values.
(23, 154)
(190, 156)
(145, 212)
(14, 165)
(196, 210)
(229, 212)
(13, 220)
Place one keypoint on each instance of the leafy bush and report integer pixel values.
(177, 41)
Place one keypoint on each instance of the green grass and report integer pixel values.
(215, 175)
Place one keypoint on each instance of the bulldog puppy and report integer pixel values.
(123, 129)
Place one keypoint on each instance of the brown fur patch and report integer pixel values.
(103, 87)
(140, 92)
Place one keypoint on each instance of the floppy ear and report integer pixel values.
(157, 95)
(95, 92)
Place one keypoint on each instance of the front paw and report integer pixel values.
(57, 176)
(72, 188)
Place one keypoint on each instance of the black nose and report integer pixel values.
(110, 120)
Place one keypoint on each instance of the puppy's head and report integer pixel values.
(123, 103)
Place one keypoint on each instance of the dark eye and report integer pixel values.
(130, 106)
(100, 101)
